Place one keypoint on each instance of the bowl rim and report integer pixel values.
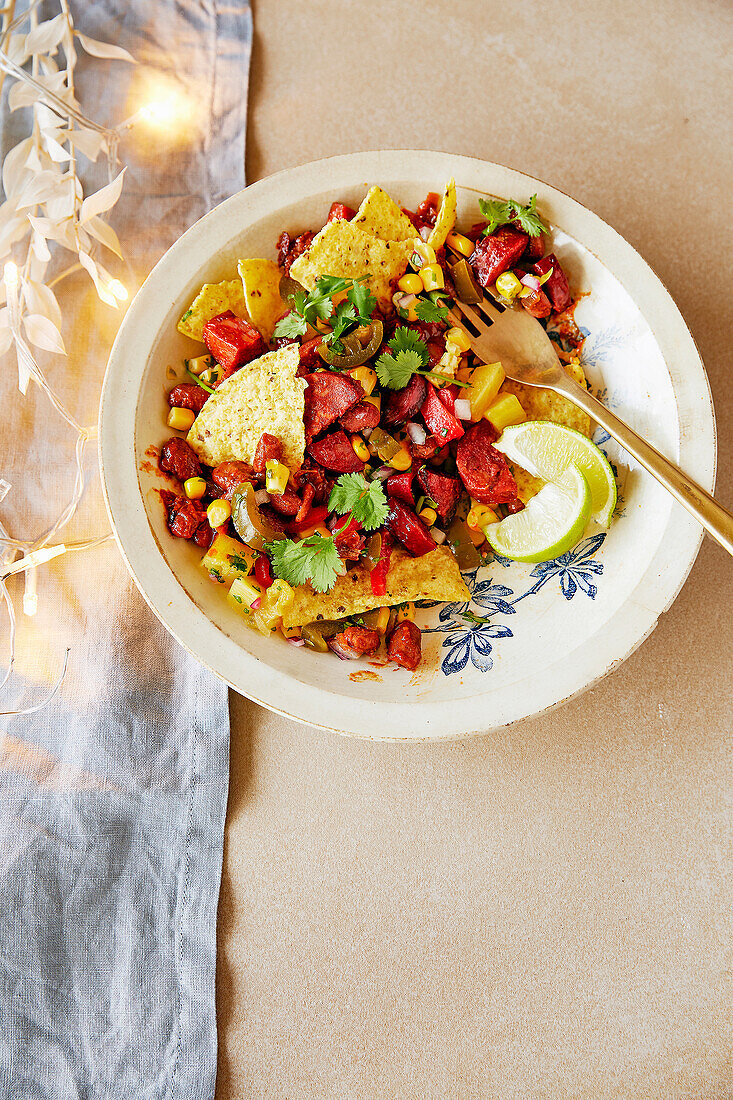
(575, 671)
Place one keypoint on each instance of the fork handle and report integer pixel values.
(716, 519)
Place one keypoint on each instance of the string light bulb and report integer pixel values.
(119, 290)
(10, 275)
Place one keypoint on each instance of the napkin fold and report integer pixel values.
(113, 796)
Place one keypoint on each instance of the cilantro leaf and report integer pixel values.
(344, 317)
(406, 339)
(410, 356)
(291, 326)
(430, 309)
(363, 302)
(365, 500)
(497, 212)
(313, 559)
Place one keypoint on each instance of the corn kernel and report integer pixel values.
(505, 411)
(486, 382)
(401, 461)
(508, 285)
(428, 515)
(360, 448)
(461, 244)
(194, 488)
(276, 477)
(218, 512)
(316, 529)
(382, 620)
(432, 277)
(406, 613)
(423, 254)
(480, 516)
(411, 284)
(199, 364)
(289, 631)
(459, 338)
(366, 377)
(181, 419)
(244, 592)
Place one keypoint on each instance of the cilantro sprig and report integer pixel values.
(317, 305)
(431, 308)
(365, 500)
(500, 212)
(409, 356)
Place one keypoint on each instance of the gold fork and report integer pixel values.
(517, 340)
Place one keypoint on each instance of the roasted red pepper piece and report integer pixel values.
(315, 516)
(327, 397)
(409, 529)
(400, 486)
(177, 457)
(439, 420)
(405, 645)
(268, 448)
(483, 469)
(309, 493)
(378, 575)
(263, 572)
(340, 210)
(187, 395)
(335, 452)
(448, 395)
(233, 342)
(444, 490)
(493, 255)
(556, 287)
(403, 405)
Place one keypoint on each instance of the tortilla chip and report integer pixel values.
(262, 396)
(341, 248)
(261, 283)
(446, 216)
(380, 216)
(211, 300)
(546, 405)
(434, 576)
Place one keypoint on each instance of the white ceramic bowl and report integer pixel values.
(552, 631)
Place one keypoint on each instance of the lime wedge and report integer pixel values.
(545, 450)
(550, 525)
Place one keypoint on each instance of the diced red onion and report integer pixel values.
(426, 231)
(462, 409)
(531, 281)
(407, 300)
(366, 433)
(341, 652)
(256, 604)
(262, 496)
(416, 432)
(383, 473)
(438, 535)
(297, 642)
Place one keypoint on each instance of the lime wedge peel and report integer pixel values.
(546, 450)
(551, 524)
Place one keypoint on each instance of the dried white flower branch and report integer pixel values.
(45, 209)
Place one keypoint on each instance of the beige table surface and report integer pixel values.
(545, 912)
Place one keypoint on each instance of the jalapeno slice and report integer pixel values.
(359, 346)
(467, 289)
(250, 524)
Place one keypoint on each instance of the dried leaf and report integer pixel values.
(102, 200)
(46, 36)
(6, 336)
(41, 300)
(89, 142)
(40, 248)
(104, 49)
(43, 333)
(14, 167)
(38, 189)
(105, 234)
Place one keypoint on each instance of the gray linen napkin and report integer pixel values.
(112, 798)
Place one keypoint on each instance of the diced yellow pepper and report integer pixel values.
(508, 285)
(428, 515)
(243, 593)
(199, 364)
(181, 419)
(461, 244)
(194, 488)
(464, 374)
(360, 448)
(486, 382)
(211, 375)
(227, 559)
(316, 529)
(432, 277)
(382, 620)
(504, 411)
(410, 283)
(366, 377)
(402, 460)
(458, 338)
(275, 600)
(276, 477)
(422, 255)
(289, 631)
(218, 512)
(406, 613)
